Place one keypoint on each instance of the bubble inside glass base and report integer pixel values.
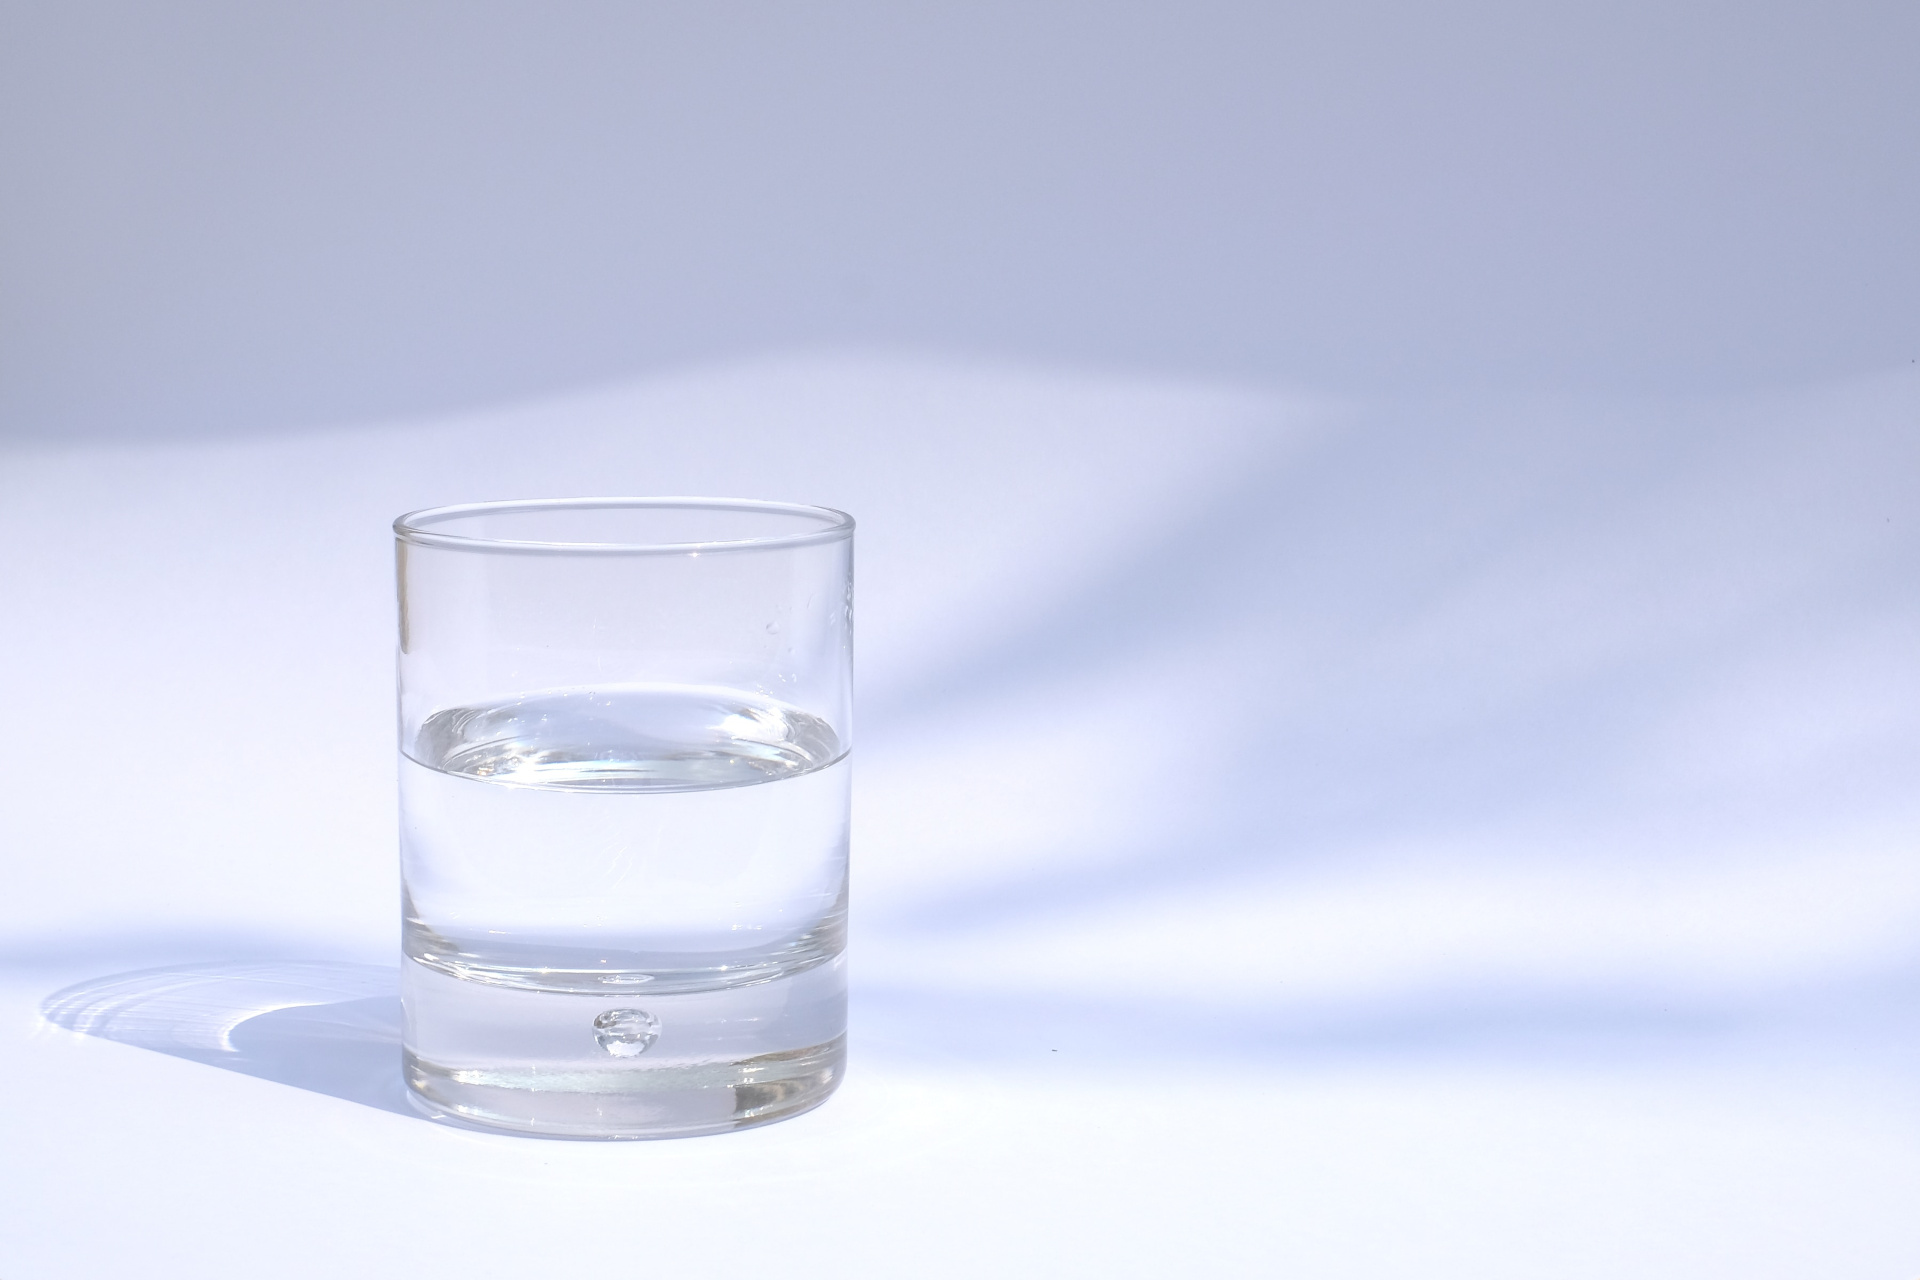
(626, 1033)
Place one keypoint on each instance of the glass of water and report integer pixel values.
(624, 784)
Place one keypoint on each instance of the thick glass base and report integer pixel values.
(623, 1065)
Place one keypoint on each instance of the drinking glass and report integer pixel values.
(624, 785)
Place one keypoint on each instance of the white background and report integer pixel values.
(1388, 708)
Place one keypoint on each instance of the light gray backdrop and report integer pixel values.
(221, 215)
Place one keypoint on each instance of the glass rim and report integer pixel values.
(415, 528)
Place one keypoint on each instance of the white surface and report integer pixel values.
(1291, 838)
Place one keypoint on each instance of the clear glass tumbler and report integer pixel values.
(624, 785)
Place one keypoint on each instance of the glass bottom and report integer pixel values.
(623, 1066)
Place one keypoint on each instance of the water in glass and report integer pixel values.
(624, 910)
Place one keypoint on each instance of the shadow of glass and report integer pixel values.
(329, 1028)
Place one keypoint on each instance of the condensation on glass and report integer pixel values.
(624, 737)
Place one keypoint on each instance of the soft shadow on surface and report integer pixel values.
(331, 1028)
(334, 1028)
